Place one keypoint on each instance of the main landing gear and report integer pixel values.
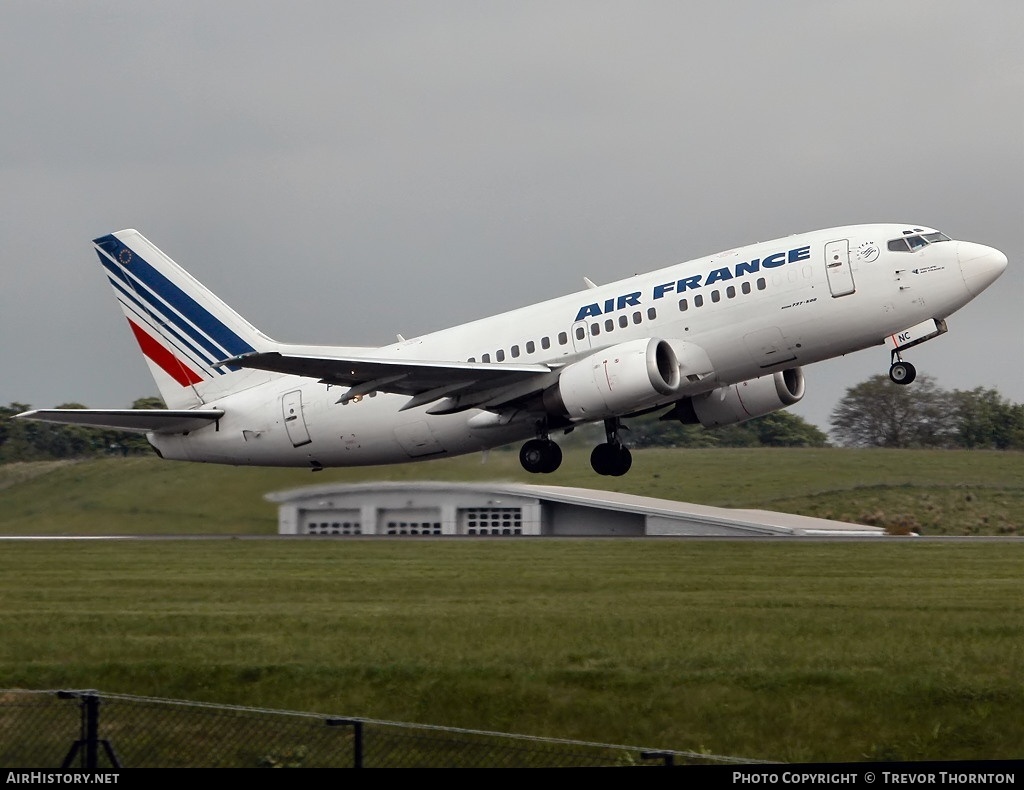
(543, 456)
(611, 458)
(540, 455)
(901, 372)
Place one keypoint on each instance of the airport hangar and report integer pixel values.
(510, 509)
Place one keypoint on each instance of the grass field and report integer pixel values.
(762, 649)
(931, 492)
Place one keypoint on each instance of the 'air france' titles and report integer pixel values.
(696, 281)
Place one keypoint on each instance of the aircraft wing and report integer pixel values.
(473, 384)
(135, 420)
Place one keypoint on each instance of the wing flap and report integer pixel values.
(135, 420)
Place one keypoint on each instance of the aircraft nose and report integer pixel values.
(980, 265)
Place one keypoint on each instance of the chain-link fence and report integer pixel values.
(90, 730)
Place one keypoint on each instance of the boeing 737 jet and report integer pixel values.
(713, 341)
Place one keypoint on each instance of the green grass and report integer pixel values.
(934, 492)
(763, 649)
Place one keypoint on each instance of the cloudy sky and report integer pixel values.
(343, 171)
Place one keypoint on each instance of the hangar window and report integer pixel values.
(334, 528)
(491, 521)
(413, 528)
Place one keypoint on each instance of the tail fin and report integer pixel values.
(182, 328)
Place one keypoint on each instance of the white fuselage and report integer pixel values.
(754, 311)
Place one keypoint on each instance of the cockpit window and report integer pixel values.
(916, 242)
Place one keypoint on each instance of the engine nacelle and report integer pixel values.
(617, 380)
(743, 401)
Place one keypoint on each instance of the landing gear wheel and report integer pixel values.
(902, 372)
(540, 456)
(609, 459)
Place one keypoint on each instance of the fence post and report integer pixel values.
(89, 739)
(357, 732)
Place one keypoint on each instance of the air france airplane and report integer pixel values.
(713, 341)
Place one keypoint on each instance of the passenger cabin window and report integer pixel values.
(623, 321)
(580, 333)
(595, 329)
(761, 283)
(609, 325)
(499, 355)
(545, 343)
(530, 346)
(731, 291)
(745, 288)
(683, 306)
(485, 358)
(637, 318)
(698, 301)
(652, 313)
(716, 296)
(563, 338)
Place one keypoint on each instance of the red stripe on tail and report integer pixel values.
(169, 363)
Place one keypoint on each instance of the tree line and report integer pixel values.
(878, 413)
(28, 440)
(874, 413)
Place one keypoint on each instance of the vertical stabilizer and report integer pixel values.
(181, 326)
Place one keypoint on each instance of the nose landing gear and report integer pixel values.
(901, 372)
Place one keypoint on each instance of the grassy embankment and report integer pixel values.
(764, 649)
(932, 492)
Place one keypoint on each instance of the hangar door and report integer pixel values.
(331, 522)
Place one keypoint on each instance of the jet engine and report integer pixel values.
(743, 401)
(617, 380)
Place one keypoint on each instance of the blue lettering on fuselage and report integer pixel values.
(697, 281)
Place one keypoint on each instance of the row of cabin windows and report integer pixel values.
(623, 322)
(716, 295)
(563, 337)
(609, 323)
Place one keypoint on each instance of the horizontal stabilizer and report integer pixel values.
(137, 420)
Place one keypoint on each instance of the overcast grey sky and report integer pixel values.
(342, 171)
